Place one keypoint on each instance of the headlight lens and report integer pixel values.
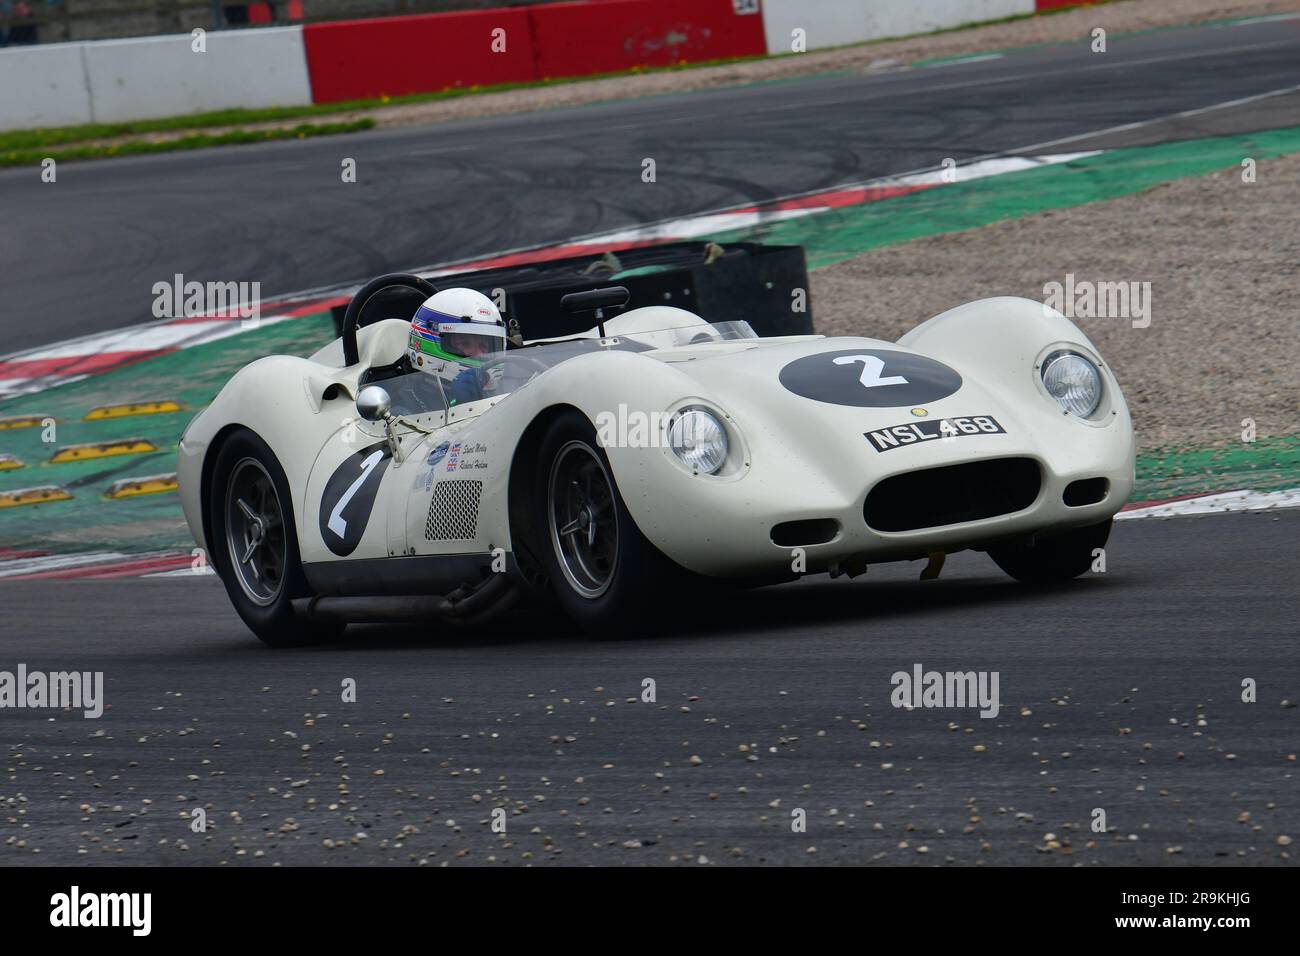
(1073, 381)
(699, 440)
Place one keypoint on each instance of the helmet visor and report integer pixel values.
(471, 339)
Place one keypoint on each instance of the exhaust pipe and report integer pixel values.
(462, 605)
(373, 610)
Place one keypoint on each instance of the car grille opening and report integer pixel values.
(1087, 491)
(453, 510)
(933, 497)
(793, 534)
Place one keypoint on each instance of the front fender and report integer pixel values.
(1000, 339)
(593, 385)
(292, 404)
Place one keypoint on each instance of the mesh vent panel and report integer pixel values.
(453, 512)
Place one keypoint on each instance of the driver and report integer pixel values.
(454, 336)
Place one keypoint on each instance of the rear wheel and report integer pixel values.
(1047, 560)
(254, 544)
(603, 571)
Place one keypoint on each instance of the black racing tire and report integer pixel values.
(612, 583)
(247, 476)
(1051, 560)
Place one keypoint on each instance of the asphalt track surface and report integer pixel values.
(82, 255)
(1120, 691)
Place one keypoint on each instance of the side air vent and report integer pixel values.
(453, 512)
(792, 534)
(934, 497)
(1087, 491)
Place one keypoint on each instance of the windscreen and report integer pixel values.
(440, 385)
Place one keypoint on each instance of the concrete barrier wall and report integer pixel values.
(65, 84)
(838, 22)
(162, 76)
(107, 81)
(43, 86)
(609, 36)
(394, 56)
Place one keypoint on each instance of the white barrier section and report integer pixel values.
(110, 81)
(42, 86)
(839, 22)
(150, 77)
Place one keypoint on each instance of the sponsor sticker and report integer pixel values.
(911, 433)
(438, 454)
(423, 479)
(473, 455)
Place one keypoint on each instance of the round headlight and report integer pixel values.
(1074, 382)
(699, 440)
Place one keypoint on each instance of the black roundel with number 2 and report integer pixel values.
(870, 378)
(349, 497)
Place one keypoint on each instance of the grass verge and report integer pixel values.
(34, 156)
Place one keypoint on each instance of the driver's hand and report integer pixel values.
(492, 377)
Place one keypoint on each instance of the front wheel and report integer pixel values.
(254, 544)
(1048, 560)
(603, 572)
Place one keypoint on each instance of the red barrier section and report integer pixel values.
(607, 36)
(360, 59)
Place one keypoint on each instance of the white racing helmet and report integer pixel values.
(456, 325)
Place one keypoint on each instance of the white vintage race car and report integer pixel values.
(606, 469)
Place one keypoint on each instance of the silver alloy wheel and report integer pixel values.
(583, 519)
(255, 532)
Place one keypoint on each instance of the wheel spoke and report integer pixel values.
(255, 531)
(584, 524)
(577, 497)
